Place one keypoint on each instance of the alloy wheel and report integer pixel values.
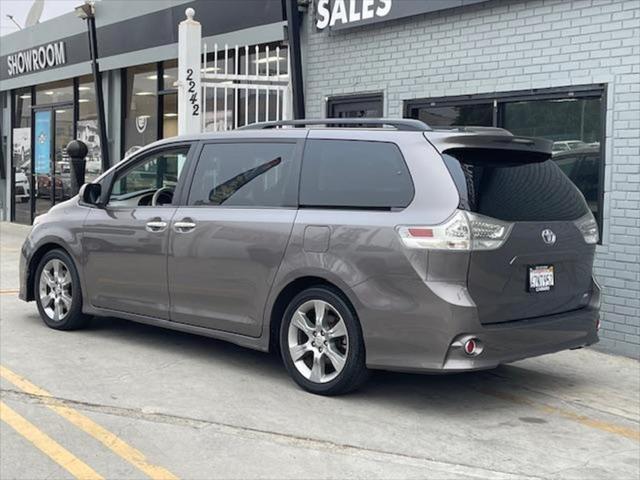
(55, 289)
(318, 341)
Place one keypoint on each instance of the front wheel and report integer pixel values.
(58, 295)
(321, 343)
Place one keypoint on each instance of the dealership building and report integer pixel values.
(565, 70)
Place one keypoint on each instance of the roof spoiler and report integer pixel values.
(481, 144)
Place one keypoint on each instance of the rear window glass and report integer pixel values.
(516, 191)
(351, 173)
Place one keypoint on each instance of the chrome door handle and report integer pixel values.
(184, 226)
(156, 226)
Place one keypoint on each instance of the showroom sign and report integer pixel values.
(36, 59)
(342, 14)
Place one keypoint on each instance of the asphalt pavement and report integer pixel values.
(121, 400)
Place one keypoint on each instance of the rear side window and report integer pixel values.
(513, 191)
(357, 174)
(246, 174)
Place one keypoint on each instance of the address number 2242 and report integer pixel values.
(193, 95)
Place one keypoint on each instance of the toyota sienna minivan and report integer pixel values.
(346, 245)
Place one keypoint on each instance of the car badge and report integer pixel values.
(548, 236)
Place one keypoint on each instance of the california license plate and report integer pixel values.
(541, 278)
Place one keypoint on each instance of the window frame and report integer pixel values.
(293, 203)
(500, 99)
(138, 158)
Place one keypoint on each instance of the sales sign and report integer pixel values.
(341, 14)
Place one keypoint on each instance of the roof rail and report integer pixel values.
(404, 124)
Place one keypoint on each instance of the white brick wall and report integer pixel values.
(506, 45)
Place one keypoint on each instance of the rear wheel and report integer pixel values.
(58, 295)
(321, 343)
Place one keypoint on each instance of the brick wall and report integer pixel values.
(502, 46)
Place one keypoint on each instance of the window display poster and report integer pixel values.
(43, 143)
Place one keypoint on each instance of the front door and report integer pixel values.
(126, 243)
(228, 241)
(52, 131)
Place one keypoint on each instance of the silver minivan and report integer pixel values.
(347, 245)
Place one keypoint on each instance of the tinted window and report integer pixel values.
(250, 174)
(516, 191)
(343, 173)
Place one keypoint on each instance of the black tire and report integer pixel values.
(73, 318)
(354, 373)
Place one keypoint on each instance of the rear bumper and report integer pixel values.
(413, 326)
(511, 341)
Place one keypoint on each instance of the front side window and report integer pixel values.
(138, 184)
(354, 174)
(246, 175)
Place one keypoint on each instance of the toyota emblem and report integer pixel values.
(548, 236)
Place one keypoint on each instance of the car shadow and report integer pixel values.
(448, 394)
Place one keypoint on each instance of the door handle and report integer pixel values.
(156, 226)
(184, 226)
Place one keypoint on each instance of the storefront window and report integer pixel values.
(169, 115)
(141, 107)
(455, 115)
(56, 92)
(575, 126)
(572, 119)
(87, 126)
(21, 155)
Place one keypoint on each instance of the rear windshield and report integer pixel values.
(512, 191)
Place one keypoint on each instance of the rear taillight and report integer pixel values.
(589, 228)
(463, 231)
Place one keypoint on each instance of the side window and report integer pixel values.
(360, 174)
(246, 174)
(158, 170)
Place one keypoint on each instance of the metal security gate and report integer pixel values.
(244, 85)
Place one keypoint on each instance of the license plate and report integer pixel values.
(541, 278)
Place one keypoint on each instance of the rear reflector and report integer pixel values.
(471, 347)
(421, 232)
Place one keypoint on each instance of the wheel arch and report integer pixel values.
(35, 259)
(289, 291)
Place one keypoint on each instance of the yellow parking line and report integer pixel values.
(104, 436)
(629, 433)
(13, 291)
(47, 445)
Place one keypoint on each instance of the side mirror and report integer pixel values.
(91, 193)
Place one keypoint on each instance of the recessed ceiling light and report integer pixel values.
(155, 77)
(210, 69)
(144, 94)
(61, 111)
(83, 100)
(170, 115)
(48, 93)
(25, 97)
(84, 89)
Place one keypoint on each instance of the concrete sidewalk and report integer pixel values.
(201, 408)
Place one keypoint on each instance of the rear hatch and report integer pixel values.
(544, 265)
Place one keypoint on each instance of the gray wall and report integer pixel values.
(502, 46)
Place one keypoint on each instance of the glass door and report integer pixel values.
(53, 130)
